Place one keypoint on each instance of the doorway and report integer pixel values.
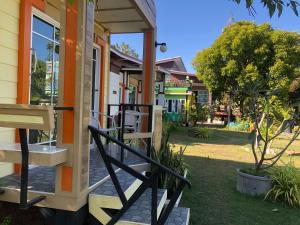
(95, 87)
(95, 105)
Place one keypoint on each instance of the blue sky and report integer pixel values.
(188, 26)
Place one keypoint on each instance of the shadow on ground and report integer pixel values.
(218, 137)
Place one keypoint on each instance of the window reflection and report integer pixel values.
(203, 97)
(43, 28)
(44, 73)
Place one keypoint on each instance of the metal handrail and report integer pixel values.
(140, 105)
(121, 119)
(112, 118)
(146, 158)
(147, 182)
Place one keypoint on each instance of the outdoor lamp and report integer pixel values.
(163, 46)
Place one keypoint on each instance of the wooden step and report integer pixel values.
(106, 196)
(179, 216)
(138, 214)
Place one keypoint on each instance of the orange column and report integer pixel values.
(149, 67)
(148, 72)
(70, 71)
(69, 88)
(24, 45)
(24, 53)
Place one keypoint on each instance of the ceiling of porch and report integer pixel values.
(126, 16)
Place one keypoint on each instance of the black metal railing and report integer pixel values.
(121, 122)
(147, 182)
(24, 203)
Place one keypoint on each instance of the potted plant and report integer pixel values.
(269, 124)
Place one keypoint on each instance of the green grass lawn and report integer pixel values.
(213, 198)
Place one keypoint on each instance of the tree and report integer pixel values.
(247, 55)
(272, 5)
(126, 49)
(267, 129)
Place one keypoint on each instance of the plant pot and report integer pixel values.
(253, 185)
(180, 196)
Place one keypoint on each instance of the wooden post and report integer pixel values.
(149, 67)
(148, 82)
(75, 82)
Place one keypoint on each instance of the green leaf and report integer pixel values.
(280, 9)
(294, 6)
(249, 3)
(272, 8)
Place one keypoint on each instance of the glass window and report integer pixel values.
(132, 94)
(203, 97)
(57, 34)
(182, 106)
(44, 72)
(43, 28)
(170, 106)
(94, 64)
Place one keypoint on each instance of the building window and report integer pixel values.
(170, 106)
(156, 101)
(202, 97)
(176, 106)
(182, 106)
(132, 94)
(44, 70)
(120, 94)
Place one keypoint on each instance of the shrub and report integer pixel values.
(169, 127)
(7, 221)
(200, 132)
(171, 159)
(286, 185)
(198, 113)
(239, 125)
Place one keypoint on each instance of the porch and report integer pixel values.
(57, 164)
(42, 178)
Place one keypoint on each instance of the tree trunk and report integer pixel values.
(242, 108)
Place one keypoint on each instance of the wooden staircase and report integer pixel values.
(104, 200)
(131, 197)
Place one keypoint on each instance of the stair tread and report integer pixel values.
(108, 188)
(179, 216)
(140, 211)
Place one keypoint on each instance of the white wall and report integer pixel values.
(161, 100)
(114, 92)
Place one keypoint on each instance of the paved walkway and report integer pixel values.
(43, 178)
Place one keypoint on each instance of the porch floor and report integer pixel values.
(42, 179)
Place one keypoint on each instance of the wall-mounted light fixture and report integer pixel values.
(163, 46)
